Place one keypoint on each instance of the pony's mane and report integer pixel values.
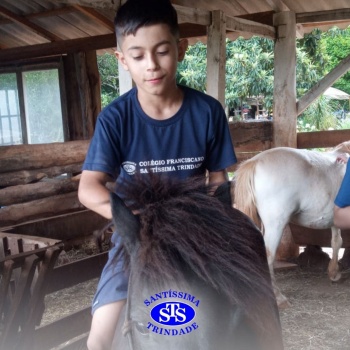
(184, 227)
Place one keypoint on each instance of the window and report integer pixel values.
(10, 118)
(30, 107)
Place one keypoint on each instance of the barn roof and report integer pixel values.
(31, 27)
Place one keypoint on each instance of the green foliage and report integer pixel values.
(108, 69)
(8, 81)
(319, 116)
(337, 47)
(192, 71)
(250, 68)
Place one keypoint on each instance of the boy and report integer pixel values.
(342, 200)
(158, 126)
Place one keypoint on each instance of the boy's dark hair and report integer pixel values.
(135, 14)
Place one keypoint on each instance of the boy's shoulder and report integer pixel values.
(201, 99)
(198, 94)
(193, 94)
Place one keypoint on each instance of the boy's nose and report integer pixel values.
(152, 62)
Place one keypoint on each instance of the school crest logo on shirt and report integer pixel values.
(129, 167)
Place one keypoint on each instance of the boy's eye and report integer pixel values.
(137, 58)
(163, 52)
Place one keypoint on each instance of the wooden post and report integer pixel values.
(89, 89)
(83, 94)
(125, 81)
(284, 112)
(216, 57)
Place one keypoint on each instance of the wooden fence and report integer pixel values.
(29, 270)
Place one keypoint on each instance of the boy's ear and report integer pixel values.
(182, 47)
(121, 59)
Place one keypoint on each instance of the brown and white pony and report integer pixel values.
(283, 185)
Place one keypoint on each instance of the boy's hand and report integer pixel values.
(342, 158)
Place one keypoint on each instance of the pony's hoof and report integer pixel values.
(335, 278)
(282, 301)
(333, 273)
(285, 304)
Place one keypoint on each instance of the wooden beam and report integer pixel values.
(243, 25)
(26, 193)
(58, 48)
(216, 57)
(278, 5)
(22, 21)
(109, 5)
(230, 8)
(192, 15)
(23, 177)
(320, 24)
(323, 84)
(326, 139)
(191, 30)
(96, 16)
(39, 208)
(323, 16)
(26, 157)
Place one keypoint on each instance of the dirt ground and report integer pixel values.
(319, 315)
(318, 318)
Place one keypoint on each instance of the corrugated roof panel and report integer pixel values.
(86, 24)
(70, 23)
(60, 26)
(20, 36)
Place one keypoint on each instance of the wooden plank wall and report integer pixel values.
(31, 182)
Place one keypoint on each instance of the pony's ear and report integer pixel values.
(126, 223)
(223, 193)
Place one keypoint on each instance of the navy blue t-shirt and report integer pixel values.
(126, 141)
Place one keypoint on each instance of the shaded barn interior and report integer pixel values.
(39, 208)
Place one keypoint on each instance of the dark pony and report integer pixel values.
(186, 231)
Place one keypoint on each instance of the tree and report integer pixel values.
(249, 70)
(108, 69)
(337, 46)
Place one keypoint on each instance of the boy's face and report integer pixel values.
(151, 57)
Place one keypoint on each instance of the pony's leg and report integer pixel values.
(333, 267)
(272, 237)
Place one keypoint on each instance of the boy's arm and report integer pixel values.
(218, 177)
(93, 193)
(341, 209)
(342, 217)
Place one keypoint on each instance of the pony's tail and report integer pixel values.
(244, 197)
